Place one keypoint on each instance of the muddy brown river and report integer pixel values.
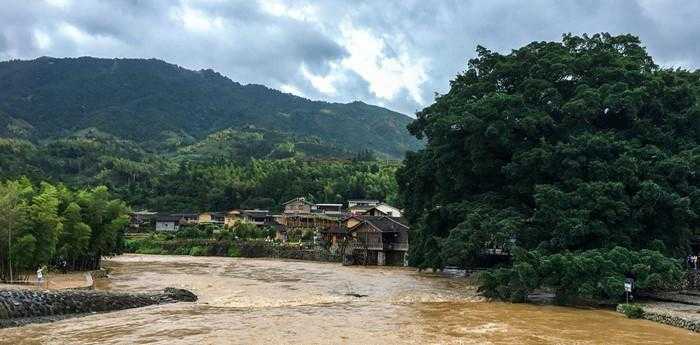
(260, 301)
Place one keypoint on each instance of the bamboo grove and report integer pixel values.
(44, 224)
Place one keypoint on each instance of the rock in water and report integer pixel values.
(181, 295)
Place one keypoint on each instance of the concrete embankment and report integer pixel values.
(678, 309)
(19, 307)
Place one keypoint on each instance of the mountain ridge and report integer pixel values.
(141, 99)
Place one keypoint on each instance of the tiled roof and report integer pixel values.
(172, 218)
(385, 224)
(256, 213)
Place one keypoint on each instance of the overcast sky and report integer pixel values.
(392, 53)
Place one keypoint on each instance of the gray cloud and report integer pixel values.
(392, 53)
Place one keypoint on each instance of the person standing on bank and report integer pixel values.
(40, 276)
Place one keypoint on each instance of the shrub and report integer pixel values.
(182, 250)
(198, 251)
(199, 231)
(149, 245)
(233, 251)
(592, 275)
(632, 311)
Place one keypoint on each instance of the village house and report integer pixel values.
(257, 217)
(351, 220)
(302, 214)
(330, 209)
(187, 218)
(383, 209)
(361, 206)
(141, 219)
(211, 218)
(298, 206)
(378, 240)
(233, 217)
(168, 223)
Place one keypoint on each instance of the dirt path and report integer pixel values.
(56, 281)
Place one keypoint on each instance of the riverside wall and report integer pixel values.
(669, 317)
(19, 307)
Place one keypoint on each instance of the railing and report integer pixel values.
(402, 246)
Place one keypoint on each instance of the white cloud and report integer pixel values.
(297, 11)
(72, 32)
(85, 43)
(195, 20)
(59, 3)
(325, 83)
(386, 75)
(42, 40)
(289, 88)
(339, 51)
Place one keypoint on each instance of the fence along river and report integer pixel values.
(260, 301)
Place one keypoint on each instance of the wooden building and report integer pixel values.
(333, 210)
(141, 219)
(298, 206)
(379, 240)
(257, 217)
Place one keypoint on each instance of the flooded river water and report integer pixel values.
(260, 301)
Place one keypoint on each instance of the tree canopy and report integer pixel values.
(44, 223)
(558, 147)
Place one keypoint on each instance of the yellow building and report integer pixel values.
(211, 218)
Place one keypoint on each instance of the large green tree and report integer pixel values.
(557, 147)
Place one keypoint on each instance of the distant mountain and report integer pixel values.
(154, 103)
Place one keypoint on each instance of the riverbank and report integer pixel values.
(59, 281)
(227, 248)
(678, 309)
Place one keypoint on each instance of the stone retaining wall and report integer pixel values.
(672, 319)
(306, 254)
(669, 317)
(18, 306)
(692, 280)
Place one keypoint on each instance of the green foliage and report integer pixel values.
(592, 275)
(249, 146)
(201, 231)
(251, 231)
(44, 224)
(556, 147)
(233, 251)
(186, 181)
(165, 106)
(23, 254)
(198, 251)
(75, 238)
(632, 311)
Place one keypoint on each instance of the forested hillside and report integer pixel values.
(151, 102)
(170, 139)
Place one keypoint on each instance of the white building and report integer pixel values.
(168, 223)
